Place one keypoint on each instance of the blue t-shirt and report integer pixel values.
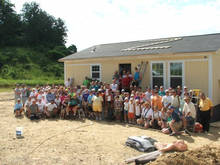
(90, 99)
(85, 96)
(176, 115)
(18, 106)
(136, 76)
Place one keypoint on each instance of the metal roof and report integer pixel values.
(185, 44)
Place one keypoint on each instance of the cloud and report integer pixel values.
(105, 21)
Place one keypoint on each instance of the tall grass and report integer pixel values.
(11, 83)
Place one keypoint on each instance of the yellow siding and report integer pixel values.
(216, 78)
(196, 75)
(196, 71)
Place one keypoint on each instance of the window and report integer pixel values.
(176, 74)
(96, 72)
(157, 74)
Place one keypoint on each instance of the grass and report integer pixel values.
(6, 90)
(4, 83)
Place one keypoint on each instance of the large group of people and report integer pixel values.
(170, 110)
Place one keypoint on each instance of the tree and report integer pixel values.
(72, 48)
(10, 24)
(42, 28)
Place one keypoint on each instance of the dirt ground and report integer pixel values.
(89, 143)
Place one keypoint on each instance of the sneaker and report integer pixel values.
(187, 132)
(173, 134)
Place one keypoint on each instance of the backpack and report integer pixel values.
(198, 127)
(141, 143)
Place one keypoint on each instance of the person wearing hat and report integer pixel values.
(166, 100)
(189, 112)
(161, 91)
(18, 108)
(126, 102)
(131, 111)
(146, 115)
(176, 123)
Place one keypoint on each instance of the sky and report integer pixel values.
(94, 22)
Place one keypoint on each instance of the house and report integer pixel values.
(192, 61)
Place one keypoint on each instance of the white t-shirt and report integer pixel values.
(148, 113)
(137, 110)
(190, 108)
(114, 87)
(156, 115)
(50, 106)
(147, 96)
(41, 106)
(126, 106)
(166, 100)
(57, 101)
(131, 107)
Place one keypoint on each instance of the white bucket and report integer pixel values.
(19, 132)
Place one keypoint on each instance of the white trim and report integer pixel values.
(210, 78)
(100, 70)
(183, 71)
(65, 73)
(164, 73)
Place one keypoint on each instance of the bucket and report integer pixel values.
(19, 132)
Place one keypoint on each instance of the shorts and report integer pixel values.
(137, 116)
(117, 112)
(89, 108)
(130, 115)
(178, 125)
(97, 108)
(125, 112)
(16, 110)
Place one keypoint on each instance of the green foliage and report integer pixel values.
(12, 83)
(31, 44)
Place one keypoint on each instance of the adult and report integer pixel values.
(189, 112)
(116, 77)
(50, 96)
(176, 123)
(175, 101)
(206, 111)
(24, 94)
(68, 83)
(33, 111)
(126, 82)
(17, 93)
(161, 91)
(51, 109)
(86, 82)
(166, 100)
(156, 101)
(114, 86)
(137, 77)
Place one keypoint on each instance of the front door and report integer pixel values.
(124, 67)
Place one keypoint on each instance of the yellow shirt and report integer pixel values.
(205, 105)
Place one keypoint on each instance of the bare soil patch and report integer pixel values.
(86, 142)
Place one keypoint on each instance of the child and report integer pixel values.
(131, 111)
(117, 108)
(126, 110)
(18, 108)
(137, 109)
